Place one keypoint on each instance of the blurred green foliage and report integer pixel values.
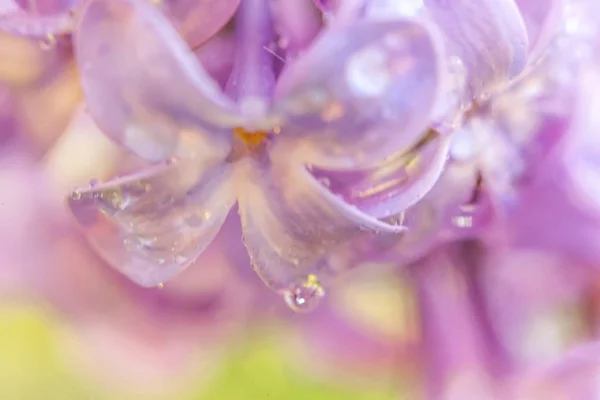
(32, 367)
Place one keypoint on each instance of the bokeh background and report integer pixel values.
(461, 318)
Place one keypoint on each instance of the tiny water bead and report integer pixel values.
(305, 296)
(48, 42)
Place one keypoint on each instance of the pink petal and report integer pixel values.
(142, 84)
(360, 93)
(198, 20)
(489, 36)
(542, 20)
(290, 221)
(152, 225)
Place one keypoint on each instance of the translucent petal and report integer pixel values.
(37, 18)
(48, 7)
(360, 93)
(394, 185)
(142, 84)
(489, 35)
(297, 22)
(290, 221)
(572, 376)
(198, 20)
(542, 20)
(217, 55)
(152, 225)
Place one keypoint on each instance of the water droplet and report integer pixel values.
(146, 242)
(76, 195)
(130, 244)
(193, 220)
(463, 221)
(160, 285)
(179, 259)
(304, 297)
(368, 73)
(113, 200)
(48, 42)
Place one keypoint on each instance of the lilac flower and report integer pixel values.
(145, 340)
(341, 105)
(521, 172)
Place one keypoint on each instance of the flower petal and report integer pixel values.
(396, 184)
(47, 7)
(572, 376)
(542, 20)
(198, 20)
(290, 221)
(217, 56)
(152, 225)
(361, 93)
(142, 84)
(48, 19)
(489, 36)
(297, 22)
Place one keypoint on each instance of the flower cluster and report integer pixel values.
(451, 140)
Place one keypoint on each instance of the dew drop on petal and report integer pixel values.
(160, 285)
(305, 296)
(368, 73)
(48, 42)
(181, 260)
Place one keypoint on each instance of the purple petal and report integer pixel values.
(198, 20)
(361, 93)
(142, 84)
(152, 225)
(216, 55)
(394, 185)
(47, 7)
(290, 221)
(489, 36)
(542, 20)
(253, 79)
(37, 18)
(298, 22)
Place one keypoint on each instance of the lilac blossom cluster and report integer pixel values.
(445, 144)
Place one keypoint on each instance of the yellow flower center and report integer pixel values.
(250, 139)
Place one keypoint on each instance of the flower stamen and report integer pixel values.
(251, 139)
